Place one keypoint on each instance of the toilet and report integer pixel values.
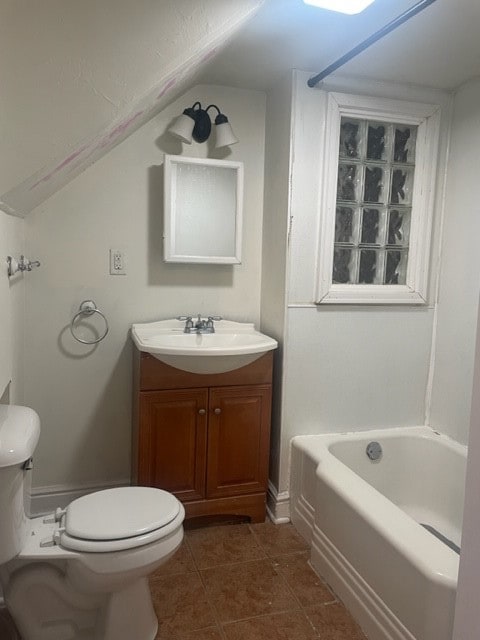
(81, 572)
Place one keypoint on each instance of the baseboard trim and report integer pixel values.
(278, 505)
(45, 500)
(376, 619)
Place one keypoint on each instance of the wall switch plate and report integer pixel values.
(117, 263)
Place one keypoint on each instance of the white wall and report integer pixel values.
(460, 276)
(88, 74)
(83, 395)
(454, 409)
(274, 250)
(11, 312)
(467, 613)
(347, 367)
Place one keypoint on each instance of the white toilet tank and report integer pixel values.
(19, 433)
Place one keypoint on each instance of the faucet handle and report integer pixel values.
(188, 323)
(209, 325)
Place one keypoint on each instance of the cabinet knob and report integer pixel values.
(217, 411)
(202, 412)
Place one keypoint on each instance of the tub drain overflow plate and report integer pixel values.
(374, 450)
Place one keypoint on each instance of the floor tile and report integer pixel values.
(180, 603)
(308, 587)
(248, 589)
(214, 546)
(180, 562)
(211, 633)
(281, 626)
(277, 539)
(333, 622)
(246, 582)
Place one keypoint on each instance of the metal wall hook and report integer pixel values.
(24, 264)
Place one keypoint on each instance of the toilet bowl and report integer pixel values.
(80, 573)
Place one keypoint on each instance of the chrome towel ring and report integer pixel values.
(88, 308)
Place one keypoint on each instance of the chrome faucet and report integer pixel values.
(201, 325)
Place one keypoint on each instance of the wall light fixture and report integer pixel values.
(195, 123)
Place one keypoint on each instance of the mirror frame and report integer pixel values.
(171, 254)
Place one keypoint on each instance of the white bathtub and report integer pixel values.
(362, 518)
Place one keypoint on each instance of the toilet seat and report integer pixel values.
(118, 519)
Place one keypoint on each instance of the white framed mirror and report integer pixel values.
(203, 210)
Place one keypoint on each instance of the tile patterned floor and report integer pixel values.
(246, 582)
(243, 582)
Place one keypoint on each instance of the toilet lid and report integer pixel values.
(119, 513)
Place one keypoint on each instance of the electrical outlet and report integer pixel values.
(117, 263)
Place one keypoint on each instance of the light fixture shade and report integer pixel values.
(182, 128)
(342, 6)
(195, 124)
(224, 132)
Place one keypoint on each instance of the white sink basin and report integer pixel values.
(233, 345)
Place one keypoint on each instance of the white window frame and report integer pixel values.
(427, 118)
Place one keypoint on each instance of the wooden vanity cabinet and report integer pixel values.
(205, 438)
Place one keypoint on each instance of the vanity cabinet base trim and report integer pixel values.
(252, 506)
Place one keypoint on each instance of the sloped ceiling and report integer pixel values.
(77, 77)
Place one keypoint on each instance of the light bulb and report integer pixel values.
(342, 6)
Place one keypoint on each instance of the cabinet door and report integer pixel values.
(238, 440)
(172, 441)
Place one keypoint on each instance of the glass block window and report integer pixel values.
(376, 200)
(376, 169)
